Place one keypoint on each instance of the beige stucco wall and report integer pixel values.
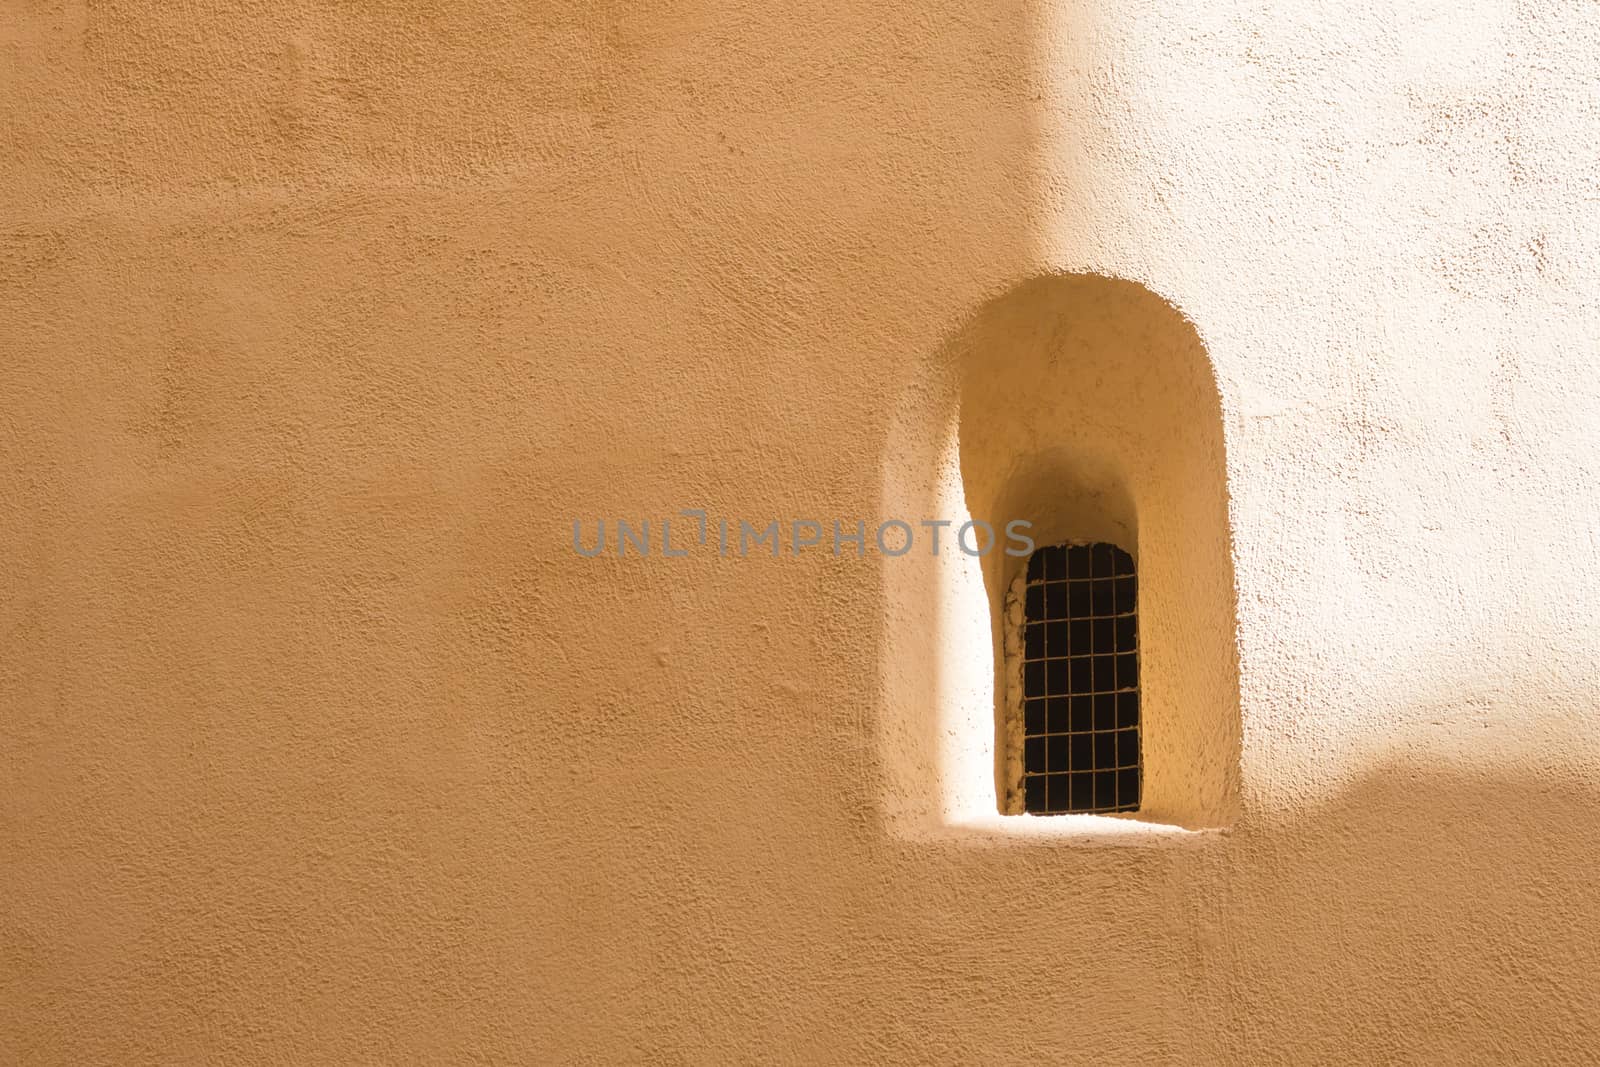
(321, 324)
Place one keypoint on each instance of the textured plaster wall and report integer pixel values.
(321, 323)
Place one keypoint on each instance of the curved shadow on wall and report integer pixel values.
(1088, 407)
(1440, 907)
(1431, 912)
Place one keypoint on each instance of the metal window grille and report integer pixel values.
(1080, 681)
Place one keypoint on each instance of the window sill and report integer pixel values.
(1112, 831)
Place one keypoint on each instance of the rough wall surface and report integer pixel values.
(321, 323)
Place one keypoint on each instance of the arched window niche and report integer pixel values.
(1088, 407)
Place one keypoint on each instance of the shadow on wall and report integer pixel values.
(363, 307)
(1087, 407)
(1441, 915)
(1435, 914)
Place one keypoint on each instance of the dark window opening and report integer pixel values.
(1080, 682)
